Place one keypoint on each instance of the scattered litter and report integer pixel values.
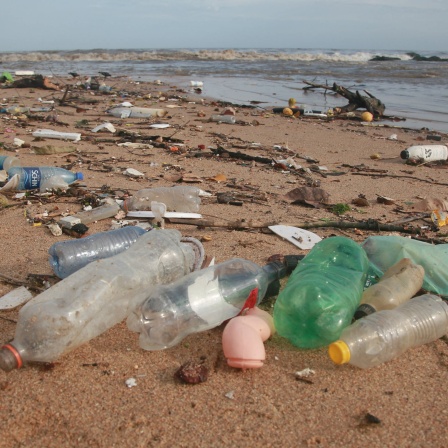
(392, 137)
(131, 172)
(55, 229)
(136, 145)
(299, 237)
(230, 395)
(160, 125)
(18, 142)
(48, 133)
(131, 382)
(108, 126)
(305, 373)
(15, 298)
(150, 214)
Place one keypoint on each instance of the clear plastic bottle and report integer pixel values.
(428, 153)
(67, 257)
(7, 162)
(199, 301)
(399, 283)
(179, 199)
(230, 119)
(42, 177)
(98, 296)
(384, 335)
(107, 210)
(322, 293)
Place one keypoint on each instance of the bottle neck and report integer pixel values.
(274, 271)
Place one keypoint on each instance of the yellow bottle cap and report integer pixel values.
(339, 352)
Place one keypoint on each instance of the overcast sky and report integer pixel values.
(415, 25)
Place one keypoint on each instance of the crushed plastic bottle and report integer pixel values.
(98, 296)
(67, 257)
(199, 301)
(384, 335)
(322, 293)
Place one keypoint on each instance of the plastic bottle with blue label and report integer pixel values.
(42, 177)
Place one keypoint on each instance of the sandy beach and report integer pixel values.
(82, 398)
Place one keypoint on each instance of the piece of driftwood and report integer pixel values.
(370, 224)
(355, 99)
(36, 81)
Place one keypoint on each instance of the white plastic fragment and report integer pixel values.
(49, 133)
(305, 373)
(109, 126)
(131, 172)
(55, 229)
(15, 298)
(230, 395)
(131, 382)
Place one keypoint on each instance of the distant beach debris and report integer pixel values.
(413, 56)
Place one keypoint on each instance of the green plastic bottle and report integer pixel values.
(322, 293)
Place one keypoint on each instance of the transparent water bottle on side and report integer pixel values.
(7, 162)
(67, 257)
(178, 199)
(42, 177)
(199, 301)
(322, 293)
(95, 298)
(384, 335)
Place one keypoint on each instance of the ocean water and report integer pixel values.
(416, 90)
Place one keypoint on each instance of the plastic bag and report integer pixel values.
(384, 251)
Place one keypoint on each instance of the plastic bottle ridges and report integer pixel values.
(67, 257)
(31, 178)
(199, 301)
(322, 293)
(384, 335)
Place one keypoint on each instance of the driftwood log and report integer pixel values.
(355, 99)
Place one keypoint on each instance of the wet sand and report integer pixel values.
(82, 399)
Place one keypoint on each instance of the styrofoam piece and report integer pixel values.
(150, 214)
(299, 237)
(49, 133)
(160, 125)
(15, 298)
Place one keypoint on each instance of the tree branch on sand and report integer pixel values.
(355, 99)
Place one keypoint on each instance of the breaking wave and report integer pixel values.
(101, 55)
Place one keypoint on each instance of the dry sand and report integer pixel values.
(82, 399)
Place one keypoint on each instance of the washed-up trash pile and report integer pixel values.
(366, 303)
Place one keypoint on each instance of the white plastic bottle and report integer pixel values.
(429, 153)
(384, 335)
(199, 301)
(98, 296)
(33, 177)
(67, 257)
(179, 199)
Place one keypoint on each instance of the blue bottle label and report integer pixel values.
(32, 178)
